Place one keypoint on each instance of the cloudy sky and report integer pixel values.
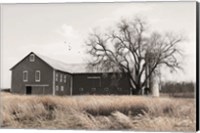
(60, 30)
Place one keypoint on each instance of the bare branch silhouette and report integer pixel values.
(131, 49)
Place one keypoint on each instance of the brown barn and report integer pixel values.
(36, 74)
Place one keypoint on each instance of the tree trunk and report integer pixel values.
(137, 90)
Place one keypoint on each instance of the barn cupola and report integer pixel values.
(31, 57)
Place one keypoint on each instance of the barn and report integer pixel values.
(36, 74)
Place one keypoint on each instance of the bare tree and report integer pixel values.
(131, 49)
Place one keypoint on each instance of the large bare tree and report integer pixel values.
(131, 49)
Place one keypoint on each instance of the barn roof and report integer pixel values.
(59, 65)
(70, 68)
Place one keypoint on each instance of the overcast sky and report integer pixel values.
(50, 29)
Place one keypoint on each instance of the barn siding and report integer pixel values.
(19, 86)
(106, 81)
(76, 83)
(65, 85)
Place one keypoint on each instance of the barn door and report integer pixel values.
(95, 83)
(28, 90)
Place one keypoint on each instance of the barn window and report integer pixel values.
(106, 89)
(119, 89)
(57, 88)
(61, 77)
(93, 89)
(93, 77)
(56, 76)
(95, 81)
(32, 58)
(37, 75)
(65, 78)
(81, 89)
(62, 88)
(25, 76)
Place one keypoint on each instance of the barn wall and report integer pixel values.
(104, 84)
(19, 86)
(82, 83)
(60, 83)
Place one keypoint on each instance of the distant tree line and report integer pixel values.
(182, 89)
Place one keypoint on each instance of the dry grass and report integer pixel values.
(98, 112)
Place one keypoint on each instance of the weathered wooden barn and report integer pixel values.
(38, 75)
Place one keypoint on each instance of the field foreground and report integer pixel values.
(138, 113)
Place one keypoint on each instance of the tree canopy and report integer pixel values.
(130, 48)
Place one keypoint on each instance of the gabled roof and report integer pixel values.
(59, 65)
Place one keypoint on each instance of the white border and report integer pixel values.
(75, 1)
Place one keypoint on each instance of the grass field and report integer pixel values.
(138, 113)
